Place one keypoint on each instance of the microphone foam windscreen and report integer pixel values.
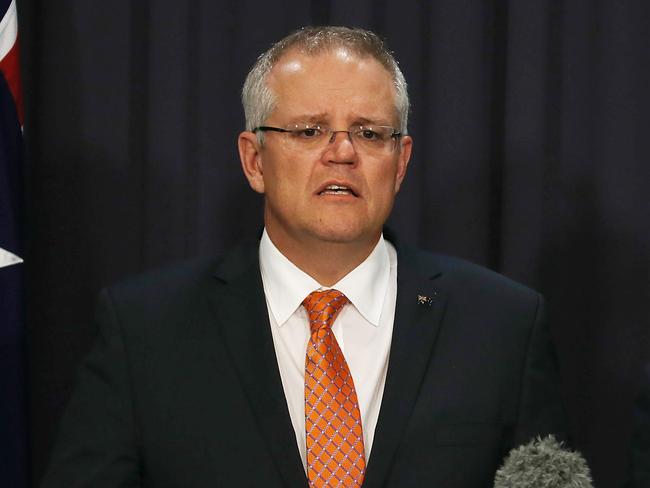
(543, 463)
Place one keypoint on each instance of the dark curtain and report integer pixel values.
(531, 125)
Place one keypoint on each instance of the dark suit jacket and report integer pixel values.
(182, 388)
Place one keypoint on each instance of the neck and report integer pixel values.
(326, 262)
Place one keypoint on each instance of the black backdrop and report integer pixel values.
(531, 125)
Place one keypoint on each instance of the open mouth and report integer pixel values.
(337, 190)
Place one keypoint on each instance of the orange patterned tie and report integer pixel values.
(335, 454)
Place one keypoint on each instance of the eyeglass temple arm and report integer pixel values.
(264, 128)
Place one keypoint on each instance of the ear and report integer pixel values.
(406, 145)
(251, 160)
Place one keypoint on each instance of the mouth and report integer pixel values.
(335, 189)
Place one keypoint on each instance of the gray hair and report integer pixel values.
(259, 100)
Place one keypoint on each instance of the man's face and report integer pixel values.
(337, 89)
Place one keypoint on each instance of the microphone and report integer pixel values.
(543, 463)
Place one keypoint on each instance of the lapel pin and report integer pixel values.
(424, 300)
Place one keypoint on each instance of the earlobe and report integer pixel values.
(251, 160)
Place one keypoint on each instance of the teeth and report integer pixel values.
(337, 190)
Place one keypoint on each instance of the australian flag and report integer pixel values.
(13, 428)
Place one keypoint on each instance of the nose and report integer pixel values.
(340, 148)
(335, 133)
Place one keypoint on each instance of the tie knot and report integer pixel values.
(323, 307)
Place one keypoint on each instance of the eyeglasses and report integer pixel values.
(368, 138)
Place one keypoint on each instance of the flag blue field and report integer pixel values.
(13, 407)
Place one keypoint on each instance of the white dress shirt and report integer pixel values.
(363, 328)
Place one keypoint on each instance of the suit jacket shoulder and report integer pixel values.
(458, 273)
(181, 386)
(472, 374)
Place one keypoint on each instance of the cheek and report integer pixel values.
(385, 185)
(285, 182)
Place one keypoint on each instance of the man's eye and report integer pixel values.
(369, 135)
(309, 133)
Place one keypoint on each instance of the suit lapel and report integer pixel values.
(238, 301)
(414, 333)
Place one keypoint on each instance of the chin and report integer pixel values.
(342, 234)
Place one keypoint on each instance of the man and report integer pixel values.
(325, 354)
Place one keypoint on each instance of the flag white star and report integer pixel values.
(8, 259)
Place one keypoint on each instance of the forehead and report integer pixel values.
(337, 83)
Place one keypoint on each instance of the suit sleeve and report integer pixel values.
(96, 443)
(540, 409)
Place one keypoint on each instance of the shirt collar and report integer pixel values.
(286, 285)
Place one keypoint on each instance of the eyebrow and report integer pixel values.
(364, 121)
(320, 118)
(313, 118)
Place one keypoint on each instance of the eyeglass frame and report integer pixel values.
(395, 135)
